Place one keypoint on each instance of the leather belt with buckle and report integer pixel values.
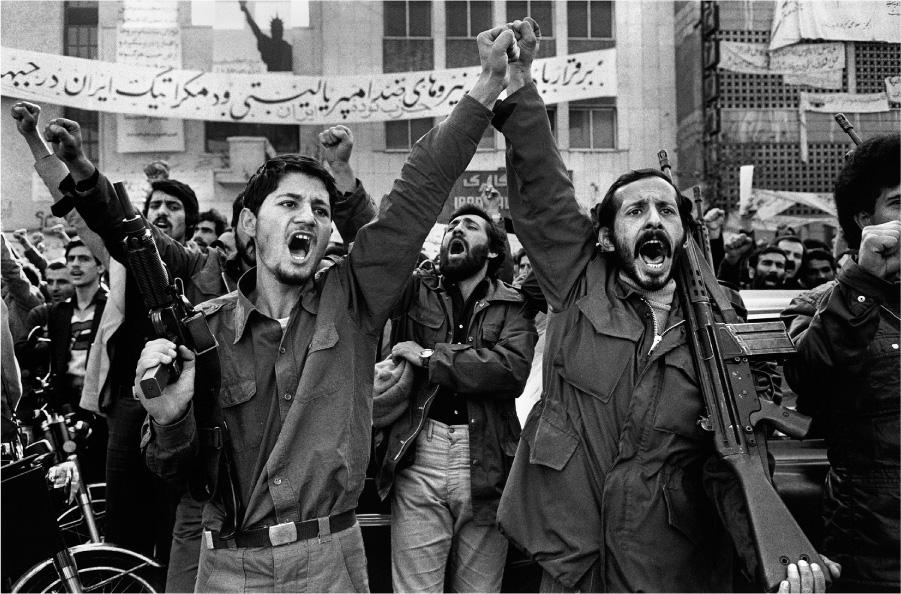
(280, 534)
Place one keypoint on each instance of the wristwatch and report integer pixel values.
(424, 356)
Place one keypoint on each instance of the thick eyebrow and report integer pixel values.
(313, 200)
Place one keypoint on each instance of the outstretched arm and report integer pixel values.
(356, 208)
(558, 237)
(52, 172)
(386, 250)
(253, 26)
(96, 201)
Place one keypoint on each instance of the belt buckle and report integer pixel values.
(280, 534)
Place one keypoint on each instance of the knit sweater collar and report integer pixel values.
(662, 298)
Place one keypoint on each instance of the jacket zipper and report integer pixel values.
(404, 443)
(657, 336)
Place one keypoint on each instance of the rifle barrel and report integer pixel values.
(847, 128)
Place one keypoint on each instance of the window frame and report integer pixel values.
(83, 20)
(407, 35)
(410, 140)
(591, 37)
(591, 108)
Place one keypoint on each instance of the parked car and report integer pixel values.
(801, 467)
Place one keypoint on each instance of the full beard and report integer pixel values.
(766, 282)
(457, 270)
(628, 256)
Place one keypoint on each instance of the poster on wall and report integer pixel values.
(148, 35)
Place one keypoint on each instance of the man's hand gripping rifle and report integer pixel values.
(172, 316)
(736, 415)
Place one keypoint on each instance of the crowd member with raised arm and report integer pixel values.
(846, 372)
(172, 208)
(465, 334)
(614, 482)
(299, 416)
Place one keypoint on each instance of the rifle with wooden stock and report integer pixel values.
(737, 416)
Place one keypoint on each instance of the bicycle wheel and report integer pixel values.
(72, 523)
(101, 568)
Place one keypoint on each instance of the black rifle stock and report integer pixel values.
(171, 314)
(736, 415)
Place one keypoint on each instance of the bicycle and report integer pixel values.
(39, 553)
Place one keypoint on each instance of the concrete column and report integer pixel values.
(439, 33)
(561, 34)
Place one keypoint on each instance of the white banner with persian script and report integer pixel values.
(836, 103)
(277, 98)
(835, 20)
(769, 203)
(148, 35)
(814, 64)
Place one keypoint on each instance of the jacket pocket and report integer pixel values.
(685, 510)
(679, 401)
(593, 363)
(553, 443)
(235, 394)
(324, 356)
(424, 316)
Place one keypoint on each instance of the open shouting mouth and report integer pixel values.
(456, 246)
(653, 248)
(299, 245)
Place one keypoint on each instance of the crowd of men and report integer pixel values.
(330, 362)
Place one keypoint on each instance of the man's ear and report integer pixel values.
(751, 272)
(863, 219)
(248, 222)
(605, 240)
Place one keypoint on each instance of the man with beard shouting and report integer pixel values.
(470, 346)
(614, 482)
(768, 268)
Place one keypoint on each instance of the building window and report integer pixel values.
(408, 18)
(591, 19)
(80, 40)
(543, 12)
(284, 139)
(465, 20)
(592, 125)
(407, 46)
(403, 134)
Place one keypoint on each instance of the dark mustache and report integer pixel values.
(651, 234)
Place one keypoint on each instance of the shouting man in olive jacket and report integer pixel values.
(615, 486)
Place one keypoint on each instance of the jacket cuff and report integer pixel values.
(349, 196)
(470, 117)
(175, 435)
(864, 285)
(504, 109)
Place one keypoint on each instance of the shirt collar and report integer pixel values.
(247, 284)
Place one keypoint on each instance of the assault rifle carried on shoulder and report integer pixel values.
(737, 417)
